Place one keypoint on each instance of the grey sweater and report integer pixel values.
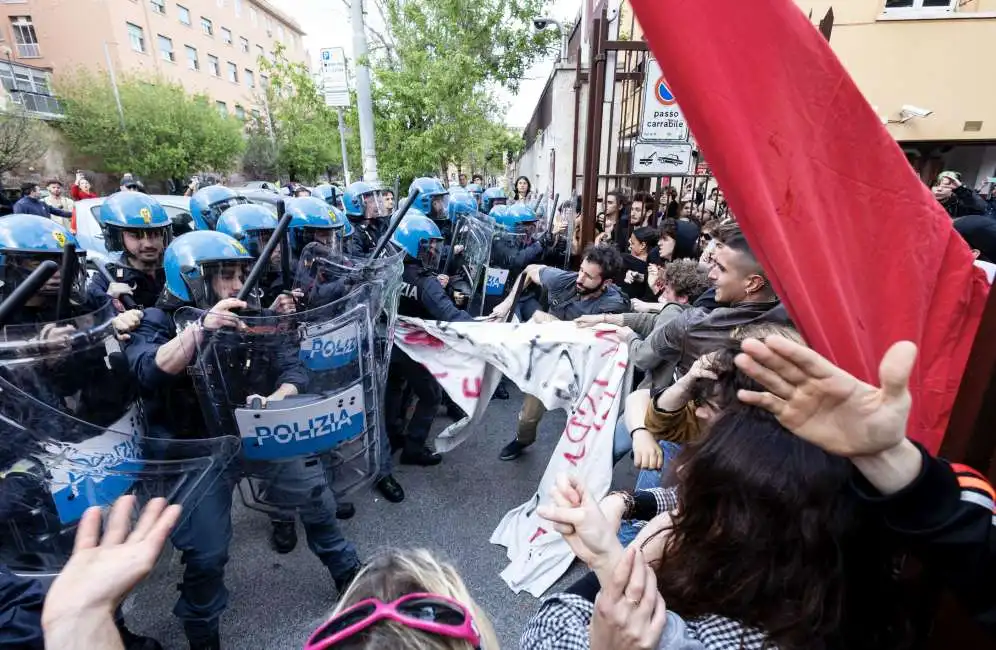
(647, 352)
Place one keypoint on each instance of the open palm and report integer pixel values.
(824, 404)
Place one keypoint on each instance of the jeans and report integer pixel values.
(622, 444)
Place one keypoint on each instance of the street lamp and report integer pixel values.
(542, 22)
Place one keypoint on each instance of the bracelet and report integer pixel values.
(638, 429)
(628, 500)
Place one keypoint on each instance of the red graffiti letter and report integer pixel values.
(572, 459)
(471, 392)
(539, 533)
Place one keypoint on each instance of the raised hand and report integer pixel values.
(629, 611)
(825, 405)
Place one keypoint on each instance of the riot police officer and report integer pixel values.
(493, 197)
(422, 296)
(328, 193)
(136, 231)
(475, 190)
(207, 270)
(364, 207)
(209, 203)
(433, 202)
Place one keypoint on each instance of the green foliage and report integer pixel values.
(23, 140)
(305, 129)
(434, 86)
(259, 161)
(167, 133)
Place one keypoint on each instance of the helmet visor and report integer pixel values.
(330, 239)
(430, 253)
(17, 266)
(439, 206)
(216, 281)
(373, 205)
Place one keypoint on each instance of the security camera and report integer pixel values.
(916, 111)
(541, 23)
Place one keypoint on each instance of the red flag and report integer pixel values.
(855, 245)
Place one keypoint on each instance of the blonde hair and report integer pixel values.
(392, 574)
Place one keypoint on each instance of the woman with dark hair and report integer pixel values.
(633, 275)
(523, 190)
(762, 544)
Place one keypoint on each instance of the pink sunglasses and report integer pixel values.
(427, 612)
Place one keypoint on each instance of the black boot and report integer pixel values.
(342, 582)
(283, 537)
(132, 641)
(424, 457)
(391, 489)
(513, 450)
(211, 643)
(344, 510)
(501, 392)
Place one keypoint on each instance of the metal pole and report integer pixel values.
(364, 100)
(342, 143)
(114, 85)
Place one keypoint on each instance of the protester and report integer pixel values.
(642, 211)
(955, 197)
(677, 240)
(478, 179)
(523, 190)
(633, 278)
(81, 188)
(569, 295)
(387, 196)
(608, 225)
(56, 199)
(942, 510)
(102, 570)
(406, 599)
(130, 183)
(979, 232)
(31, 203)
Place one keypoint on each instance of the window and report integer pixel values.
(192, 62)
(255, 113)
(920, 5)
(264, 80)
(207, 26)
(260, 52)
(158, 6)
(25, 37)
(213, 66)
(250, 78)
(244, 44)
(137, 37)
(184, 14)
(30, 89)
(238, 8)
(222, 108)
(240, 112)
(253, 17)
(166, 48)
(226, 35)
(269, 25)
(233, 73)
(280, 32)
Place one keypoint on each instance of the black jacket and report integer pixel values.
(21, 603)
(147, 288)
(422, 296)
(964, 201)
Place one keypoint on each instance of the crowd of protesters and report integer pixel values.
(777, 494)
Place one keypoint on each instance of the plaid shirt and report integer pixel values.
(562, 623)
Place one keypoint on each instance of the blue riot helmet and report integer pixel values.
(328, 193)
(208, 204)
(493, 196)
(338, 197)
(521, 218)
(313, 220)
(27, 240)
(462, 204)
(476, 191)
(362, 200)
(502, 218)
(142, 219)
(204, 267)
(433, 200)
(249, 224)
(419, 237)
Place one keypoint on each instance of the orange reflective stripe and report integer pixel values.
(965, 469)
(970, 482)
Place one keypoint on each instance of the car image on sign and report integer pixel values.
(662, 158)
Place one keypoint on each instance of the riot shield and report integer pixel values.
(471, 248)
(72, 436)
(503, 266)
(326, 433)
(563, 231)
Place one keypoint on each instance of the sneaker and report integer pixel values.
(344, 510)
(424, 457)
(512, 450)
(342, 583)
(283, 537)
(132, 641)
(391, 489)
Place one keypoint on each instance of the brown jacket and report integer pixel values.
(680, 426)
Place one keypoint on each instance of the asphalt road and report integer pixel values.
(451, 509)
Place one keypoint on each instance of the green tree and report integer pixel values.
(435, 74)
(23, 140)
(305, 129)
(167, 133)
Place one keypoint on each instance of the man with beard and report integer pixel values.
(568, 295)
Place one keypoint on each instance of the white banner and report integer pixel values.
(579, 370)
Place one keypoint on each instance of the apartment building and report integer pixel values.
(208, 46)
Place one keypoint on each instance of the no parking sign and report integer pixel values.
(662, 120)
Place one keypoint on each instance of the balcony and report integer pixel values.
(38, 104)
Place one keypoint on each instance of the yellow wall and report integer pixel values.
(943, 65)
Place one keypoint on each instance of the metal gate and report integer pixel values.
(615, 105)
